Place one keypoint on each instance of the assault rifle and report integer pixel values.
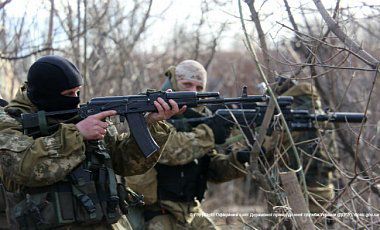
(297, 120)
(132, 108)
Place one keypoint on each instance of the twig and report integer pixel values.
(352, 45)
(29, 54)
(273, 97)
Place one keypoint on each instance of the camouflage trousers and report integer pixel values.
(169, 222)
(320, 197)
(122, 224)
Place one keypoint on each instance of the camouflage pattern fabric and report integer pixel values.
(203, 222)
(176, 220)
(46, 160)
(315, 162)
(183, 148)
(3, 193)
(224, 168)
(145, 184)
(168, 222)
(122, 224)
(321, 194)
(127, 158)
(39, 162)
(163, 222)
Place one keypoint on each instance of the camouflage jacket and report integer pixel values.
(47, 160)
(314, 159)
(183, 148)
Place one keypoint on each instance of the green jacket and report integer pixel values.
(47, 160)
(315, 161)
(183, 148)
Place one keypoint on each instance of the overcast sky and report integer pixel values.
(188, 12)
(185, 11)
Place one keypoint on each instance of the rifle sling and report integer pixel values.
(43, 123)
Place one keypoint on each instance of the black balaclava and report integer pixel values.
(47, 78)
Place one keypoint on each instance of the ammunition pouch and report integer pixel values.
(35, 212)
(87, 196)
(86, 205)
(57, 205)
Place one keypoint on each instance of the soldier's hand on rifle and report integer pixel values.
(164, 111)
(244, 155)
(93, 127)
(221, 129)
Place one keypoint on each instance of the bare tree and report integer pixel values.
(109, 41)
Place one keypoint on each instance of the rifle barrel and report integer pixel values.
(252, 98)
(341, 117)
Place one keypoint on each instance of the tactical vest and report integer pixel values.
(182, 183)
(88, 195)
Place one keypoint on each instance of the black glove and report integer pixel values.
(243, 156)
(221, 128)
(180, 122)
(181, 125)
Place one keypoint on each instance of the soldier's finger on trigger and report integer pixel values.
(104, 114)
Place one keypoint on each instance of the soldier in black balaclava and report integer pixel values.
(47, 78)
(69, 164)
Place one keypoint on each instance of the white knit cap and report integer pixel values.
(191, 70)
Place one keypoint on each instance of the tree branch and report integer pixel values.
(351, 44)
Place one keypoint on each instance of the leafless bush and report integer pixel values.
(107, 39)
